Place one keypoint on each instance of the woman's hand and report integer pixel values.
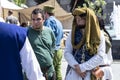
(98, 73)
(78, 71)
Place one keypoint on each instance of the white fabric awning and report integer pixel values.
(9, 5)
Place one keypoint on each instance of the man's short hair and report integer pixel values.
(10, 11)
(36, 11)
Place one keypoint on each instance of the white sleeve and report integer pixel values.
(68, 52)
(29, 62)
(109, 56)
(96, 59)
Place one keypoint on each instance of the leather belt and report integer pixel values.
(104, 65)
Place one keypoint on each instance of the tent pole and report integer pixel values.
(3, 15)
(74, 4)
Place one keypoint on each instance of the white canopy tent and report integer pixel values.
(9, 5)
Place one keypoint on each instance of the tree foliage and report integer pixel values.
(97, 6)
(19, 2)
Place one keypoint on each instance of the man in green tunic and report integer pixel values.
(42, 40)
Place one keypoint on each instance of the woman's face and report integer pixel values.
(81, 21)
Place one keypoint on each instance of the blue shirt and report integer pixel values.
(57, 28)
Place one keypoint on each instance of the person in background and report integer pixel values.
(42, 40)
(11, 19)
(17, 55)
(56, 26)
(108, 58)
(24, 24)
(85, 46)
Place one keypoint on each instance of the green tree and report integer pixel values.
(97, 6)
(19, 2)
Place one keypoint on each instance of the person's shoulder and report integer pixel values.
(11, 26)
(52, 18)
(49, 19)
(2, 20)
(102, 37)
(48, 29)
(12, 17)
(8, 17)
(57, 20)
(2, 24)
(15, 17)
(102, 32)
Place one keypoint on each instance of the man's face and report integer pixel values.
(81, 21)
(37, 21)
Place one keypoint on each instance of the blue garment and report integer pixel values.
(78, 54)
(57, 28)
(12, 39)
(78, 36)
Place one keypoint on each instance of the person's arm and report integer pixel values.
(96, 59)
(53, 42)
(29, 62)
(68, 52)
(109, 56)
(70, 58)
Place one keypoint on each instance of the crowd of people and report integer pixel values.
(12, 19)
(36, 50)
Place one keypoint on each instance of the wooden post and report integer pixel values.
(74, 4)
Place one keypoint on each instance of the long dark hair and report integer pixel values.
(102, 27)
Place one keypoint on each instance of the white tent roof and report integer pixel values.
(9, 5)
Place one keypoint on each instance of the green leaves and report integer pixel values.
(96, 5)
(19, 2)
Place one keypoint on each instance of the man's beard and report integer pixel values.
(80, 26)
